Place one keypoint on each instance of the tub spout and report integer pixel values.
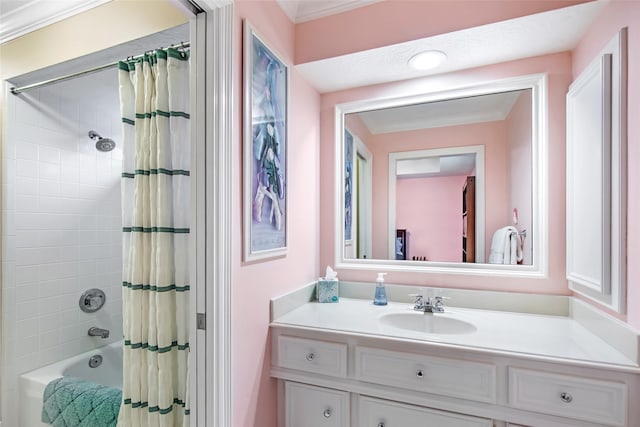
(98, 332)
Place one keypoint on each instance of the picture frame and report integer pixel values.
(401, 244)
(348, 186)
(265, 134)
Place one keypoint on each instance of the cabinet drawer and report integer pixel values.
(449, 377)
(384, 413)
(309, 406)
(312, 356)
(574, 397)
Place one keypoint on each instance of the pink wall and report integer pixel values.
(254, 392)
(490, 134)
(616, 15)
(430, 210)
(356, 126)
(558, 69)
(396, 21)
(519, 166)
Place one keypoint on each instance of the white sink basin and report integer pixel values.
(427, 323)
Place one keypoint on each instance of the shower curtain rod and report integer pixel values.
(18, 90)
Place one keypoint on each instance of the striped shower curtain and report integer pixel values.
(154, 101)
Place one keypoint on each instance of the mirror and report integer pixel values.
(445, 180)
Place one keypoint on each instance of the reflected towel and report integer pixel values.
(70, 402)
(506, 246)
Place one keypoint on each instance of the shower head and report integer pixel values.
(102, 144)
(105, 144)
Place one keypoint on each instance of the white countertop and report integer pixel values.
(530, 334)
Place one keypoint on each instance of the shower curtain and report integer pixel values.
(154, 102)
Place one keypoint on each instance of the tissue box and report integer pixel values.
(327, 290)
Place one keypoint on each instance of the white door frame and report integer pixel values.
(363, 198)
(211, 80)
(478, 150)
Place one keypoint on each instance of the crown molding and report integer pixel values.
(302, 11)
(37, 14)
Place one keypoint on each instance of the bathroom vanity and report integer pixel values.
(356, 364)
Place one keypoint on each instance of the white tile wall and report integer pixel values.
(61, 232)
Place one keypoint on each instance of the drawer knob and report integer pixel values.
(310, 356)
(327, 413)
(420, 374)
(566, 397)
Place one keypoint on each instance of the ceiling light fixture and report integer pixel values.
(427, 60)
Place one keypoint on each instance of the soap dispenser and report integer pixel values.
(380, 297)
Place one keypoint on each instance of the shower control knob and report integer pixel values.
(92, 300)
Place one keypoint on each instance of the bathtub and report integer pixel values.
(33, 383)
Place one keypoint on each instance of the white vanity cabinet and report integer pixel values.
(332, 378)
(309, 406)
(384, 413)
(445, 376)
(313, 356)
(565, 395)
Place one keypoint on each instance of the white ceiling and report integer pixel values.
(440, 166)
(451, 112)
(534, 35)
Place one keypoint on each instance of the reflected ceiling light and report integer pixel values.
(427, 60)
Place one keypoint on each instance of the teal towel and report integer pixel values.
(72, 402)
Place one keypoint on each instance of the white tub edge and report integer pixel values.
(31, 386)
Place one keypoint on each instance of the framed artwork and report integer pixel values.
(348, 186)
(401, 244)
(266, 80)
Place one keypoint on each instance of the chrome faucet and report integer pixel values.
(98, 332)
(428, 305)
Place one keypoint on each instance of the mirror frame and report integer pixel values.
(540, 177)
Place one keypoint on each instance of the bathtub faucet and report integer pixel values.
(98, 332)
